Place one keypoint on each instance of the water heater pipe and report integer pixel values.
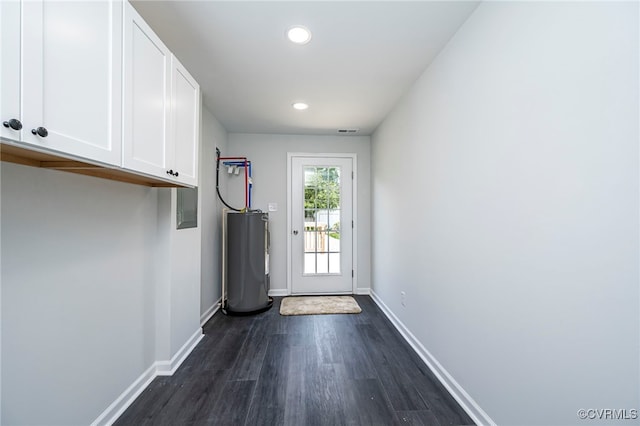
(246, 178)
(242, 164)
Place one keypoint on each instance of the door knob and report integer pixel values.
(13, 123)
(40, 131)
(295, 232)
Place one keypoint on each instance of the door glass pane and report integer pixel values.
(334, 263)
(321, 220)
(309, 263)
(322, 263)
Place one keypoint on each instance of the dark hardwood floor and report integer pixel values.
(269, 369)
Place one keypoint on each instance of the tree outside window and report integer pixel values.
(322, 194)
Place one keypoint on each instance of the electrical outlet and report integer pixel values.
(403, 298)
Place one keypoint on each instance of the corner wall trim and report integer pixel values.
(210, 312)
(464, 399)
(363, 291)
(278, 292)
(158, 368)
(167, 368)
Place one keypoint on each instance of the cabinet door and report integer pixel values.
(10, 69)
(146, 144)
(185, 123)
(71, 77)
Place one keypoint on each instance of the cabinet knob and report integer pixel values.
(176, 174)
(170, 172)
(13, 123)
(40, 131)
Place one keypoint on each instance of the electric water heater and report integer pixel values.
(247, 263)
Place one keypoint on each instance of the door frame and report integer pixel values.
(354, 212)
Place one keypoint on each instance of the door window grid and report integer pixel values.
(321, 220)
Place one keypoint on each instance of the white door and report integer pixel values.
(147, 84)
(321, 234)
(71, 77)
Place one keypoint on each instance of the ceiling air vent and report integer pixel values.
(347, 131)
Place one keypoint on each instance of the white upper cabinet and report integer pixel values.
(147, 85)
(161, 107)
(10, 70)
(91, 82)
(185, 123)
(71, 77)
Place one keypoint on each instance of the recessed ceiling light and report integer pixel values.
(300, 106)
(299, 34)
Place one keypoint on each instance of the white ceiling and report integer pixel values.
(363, 57)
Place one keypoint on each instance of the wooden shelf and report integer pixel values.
(19, 155)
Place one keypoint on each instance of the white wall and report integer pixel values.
(1, 293)
(185, 280)
(213, 135)
(98, 286)
(268, 154)
(77, 293)
(505, 200)
(177, 280)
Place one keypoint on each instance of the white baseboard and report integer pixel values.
(210, 312)
(472, 408)
(158, 368)
(115, 410)
(281, 292)
(167, 368)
